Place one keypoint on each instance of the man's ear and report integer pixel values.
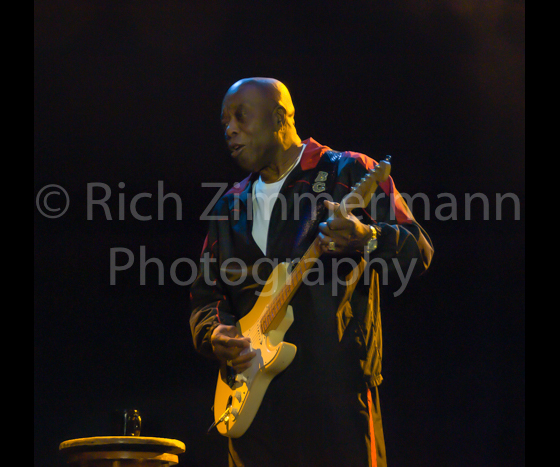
(280, 116)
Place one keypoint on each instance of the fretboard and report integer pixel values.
(292, 284)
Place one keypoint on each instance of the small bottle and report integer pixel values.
(132, 422)
(127, 422)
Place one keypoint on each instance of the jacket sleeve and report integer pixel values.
(402, 239)
(209, 302)
(402, 242)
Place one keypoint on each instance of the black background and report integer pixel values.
(130, 92)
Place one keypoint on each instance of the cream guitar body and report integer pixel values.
(237, 400)
(239, 396)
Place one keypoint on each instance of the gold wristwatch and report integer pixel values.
(371, 245)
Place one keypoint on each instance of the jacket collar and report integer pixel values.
(309, 160)
(312, 154)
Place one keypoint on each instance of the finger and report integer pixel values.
(337, 234)
(328, 245)
(324, 229)
(244, 358)
(330, 205)
(235, 344)
(227, 353)
(242, 362)
(334, 209)
(223, 332)
(324, 239)
(341, 238)
(241, 342)
(242, 368)
(227, 348)
(340, 223)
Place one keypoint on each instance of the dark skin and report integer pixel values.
(257, 132)
(262, 140)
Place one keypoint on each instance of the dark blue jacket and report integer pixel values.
(337, 325)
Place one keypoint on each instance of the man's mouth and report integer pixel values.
(236, 149)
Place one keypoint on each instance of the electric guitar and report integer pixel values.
(239, 396)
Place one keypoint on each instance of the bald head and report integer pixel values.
(274, 91)
(258, 122)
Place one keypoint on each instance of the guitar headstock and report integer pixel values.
(362, 192)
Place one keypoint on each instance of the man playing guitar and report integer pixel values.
(320, 406)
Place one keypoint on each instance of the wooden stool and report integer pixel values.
(121, 451)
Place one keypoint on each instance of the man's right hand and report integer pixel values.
(228, 344)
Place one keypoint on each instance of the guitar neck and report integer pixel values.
(292, 284)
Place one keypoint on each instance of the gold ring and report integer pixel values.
(229, 363)
(331, 246)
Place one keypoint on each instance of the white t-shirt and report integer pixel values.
(264, 197)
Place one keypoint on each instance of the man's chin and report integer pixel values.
(246, 164)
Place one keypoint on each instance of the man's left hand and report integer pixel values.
(343, 235)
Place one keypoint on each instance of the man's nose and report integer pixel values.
(231, 129)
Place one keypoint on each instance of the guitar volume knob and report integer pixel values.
(240, 378)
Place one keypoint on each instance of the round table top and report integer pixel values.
(123, 443)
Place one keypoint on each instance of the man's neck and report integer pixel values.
(283, 163)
